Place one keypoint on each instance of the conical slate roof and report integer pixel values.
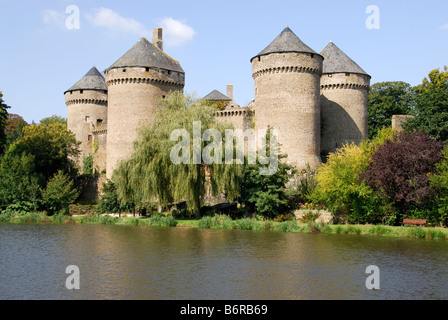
(145, 54)
(93, 80)
(215, 95)
(287, 41)
(336, 61)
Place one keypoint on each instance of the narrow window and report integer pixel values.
(81, 91)
(90, 138)
(124, 70)
(147, 69)
(87, 118)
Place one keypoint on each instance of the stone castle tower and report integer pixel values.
(317, 102)
(136, 83)
(287, 95)
(344, 89)
(86, 109)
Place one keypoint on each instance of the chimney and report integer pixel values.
(157, 38)
(230, 91)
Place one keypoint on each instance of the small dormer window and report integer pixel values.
(147, 69)
(347, 74)
(312, 55)
(81, 91)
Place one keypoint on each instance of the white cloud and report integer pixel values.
(176, 33)
(444, 26)
(109, 19)
(53, 18)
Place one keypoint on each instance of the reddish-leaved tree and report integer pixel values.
(399, 169)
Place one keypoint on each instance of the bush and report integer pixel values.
(158, 220)
(245, 224)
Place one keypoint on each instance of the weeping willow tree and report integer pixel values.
(168, 163)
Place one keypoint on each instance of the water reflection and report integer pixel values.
(119, 262)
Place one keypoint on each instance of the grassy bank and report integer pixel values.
(225, 222)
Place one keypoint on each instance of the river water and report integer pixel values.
(124, 262)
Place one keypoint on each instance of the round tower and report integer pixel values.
(344, 90)
(86, 108)
(136, 84)
(287, 96)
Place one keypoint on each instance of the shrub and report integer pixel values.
(287, 226)
(158, 220)
(245, 224)
(310, 217)
(205, 222)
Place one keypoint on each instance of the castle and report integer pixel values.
(316, 101)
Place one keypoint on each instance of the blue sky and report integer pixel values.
(214, 41)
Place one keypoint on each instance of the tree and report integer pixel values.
(339, 186)
(265, 194)
(400, 168)
(439, 181)
(58, 194)
(386, 99)
(431, 102)
(3, 118)
(54, 119)
(19, 182)
(163, 170)
(13, 129)
(52, 147)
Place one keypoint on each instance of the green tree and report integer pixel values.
(386, 99)
(265, 194)
(151, 176)
(13, 129)
(54, 119)
(439, 180)
(52, 147)
(59, 193)
(19, 182)
(431, 102)
(3, 119)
